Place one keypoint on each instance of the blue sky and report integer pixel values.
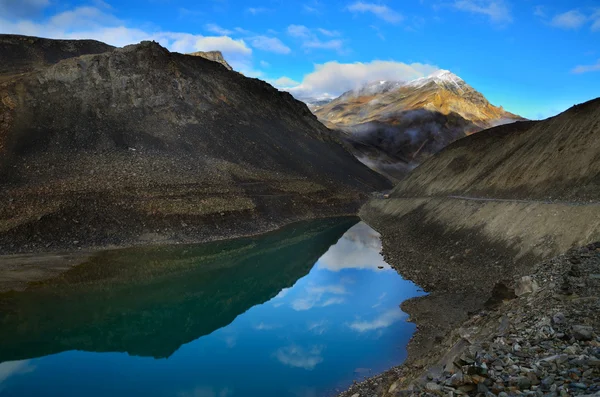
(534, 57)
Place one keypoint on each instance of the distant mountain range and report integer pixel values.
(392, 126)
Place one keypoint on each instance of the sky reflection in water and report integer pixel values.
(338, 323)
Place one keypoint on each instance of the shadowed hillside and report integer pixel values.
(139, 144)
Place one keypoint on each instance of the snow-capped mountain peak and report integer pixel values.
(440, 77)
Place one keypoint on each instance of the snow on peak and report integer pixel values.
(439, 77)
(374, 88)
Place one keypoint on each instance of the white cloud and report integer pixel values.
(271, 44)
(331, 79)
(11, 368)
(298, 357)
(496, 10)
(573, 19)
(330, 33)
(320, 296)
(384, 320)
(214, 28)
(257, 10)
(587, 68)
(265, 64)
(359, 248)
(337, 45)
(285, 82)
(299, 31)
(310, 39)
(380, 11)
(265, 327)
(317, 327)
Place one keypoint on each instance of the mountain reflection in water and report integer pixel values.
(297, 312)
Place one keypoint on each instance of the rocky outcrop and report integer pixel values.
(394, 126)
(140, 145)
(545, 341)
(215, 56)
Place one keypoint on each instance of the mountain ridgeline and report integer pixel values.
(394, 126)
(132, 145)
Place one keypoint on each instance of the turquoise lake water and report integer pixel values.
(302, 312)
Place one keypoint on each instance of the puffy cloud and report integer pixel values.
(300, 31)
(380, 11)
(271, 44)
(285, 82)
(587, 68)
(573, 19)
(496, 10)
(332, 79)
(298, 357)
(384, 320)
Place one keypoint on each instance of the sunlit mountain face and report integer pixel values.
(299, 312)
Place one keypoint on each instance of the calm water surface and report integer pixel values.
(299, 312)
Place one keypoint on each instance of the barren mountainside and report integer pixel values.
(139, 144)
(551, 159)
(393, 126)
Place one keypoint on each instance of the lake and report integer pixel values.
(302, 311)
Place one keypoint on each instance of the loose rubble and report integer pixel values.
(544, 342)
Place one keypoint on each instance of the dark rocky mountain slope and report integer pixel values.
(138, 144)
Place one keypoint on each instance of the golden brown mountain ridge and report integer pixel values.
(394, 126)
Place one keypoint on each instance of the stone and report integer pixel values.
(523, 382)
(393, 387)
(433, 387)
(547, 382)
(457, 379)
(481, 388)
(582, 332)
(533, 378)
(526, 285)
(571, 350)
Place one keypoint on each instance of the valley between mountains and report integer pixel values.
(495, 217)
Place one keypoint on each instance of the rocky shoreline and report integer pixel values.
(539, 338)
